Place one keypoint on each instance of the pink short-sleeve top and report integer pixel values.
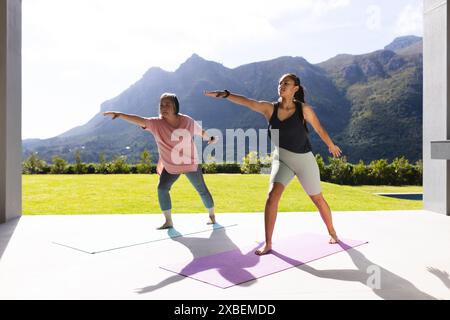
(176, 147)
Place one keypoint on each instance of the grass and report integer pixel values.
(135, 194)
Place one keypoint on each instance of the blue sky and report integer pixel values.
(79, 53)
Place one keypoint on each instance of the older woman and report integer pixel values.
(174, 133)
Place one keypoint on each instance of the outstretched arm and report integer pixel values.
(127, 117)
(263, 107)
(311, 117)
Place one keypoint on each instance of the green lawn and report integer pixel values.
(107, 194)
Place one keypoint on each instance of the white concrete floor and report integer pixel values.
(409, 250)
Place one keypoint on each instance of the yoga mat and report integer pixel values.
(230, 268)
(103, 241)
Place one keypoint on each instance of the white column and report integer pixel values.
(436, 124)
(10, 110)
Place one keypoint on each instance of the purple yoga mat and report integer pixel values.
(230, 268)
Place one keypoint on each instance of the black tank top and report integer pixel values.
(293, 135)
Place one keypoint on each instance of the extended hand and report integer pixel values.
(214, 94)
(111, 113)
(214, 141)
(438, 272)
(335, 151)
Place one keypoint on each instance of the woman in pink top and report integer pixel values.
(174, 133)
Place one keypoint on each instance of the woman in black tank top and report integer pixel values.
(289, 116)
(292, 132)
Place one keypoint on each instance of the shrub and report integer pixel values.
(145, 163)
(120, 165)
(79, 167)
(340, 170)
(360, 173)
(101, 166)
(403, 172)
(228, 168)
(418, 169)
(91, 168)
(251, 163)
(59, 165)
(380, 172)
(34, 165)
(210, 166)
(325, 172)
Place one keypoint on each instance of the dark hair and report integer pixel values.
(174, 98)
(300, 94)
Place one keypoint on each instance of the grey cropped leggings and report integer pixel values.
(287, 164)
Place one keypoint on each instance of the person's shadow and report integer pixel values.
(384, 283)
(218, 241)
(442, 275)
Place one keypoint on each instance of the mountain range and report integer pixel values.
(370, 104)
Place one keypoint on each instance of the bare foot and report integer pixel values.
(166, 225)
(212, 220)
(264, 250)
(334, 238)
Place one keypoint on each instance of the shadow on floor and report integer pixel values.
(384, 283)
(217, 242)
(6, 231)
(442, 275)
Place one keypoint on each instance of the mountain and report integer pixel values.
(403, 42)
(384, 89)
(371, 104)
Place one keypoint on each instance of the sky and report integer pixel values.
(77, 54)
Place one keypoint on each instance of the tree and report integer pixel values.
(102, 166)
(120, 165)
(79, 165)
(59, 165)
(145, 163)
(33, 164)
